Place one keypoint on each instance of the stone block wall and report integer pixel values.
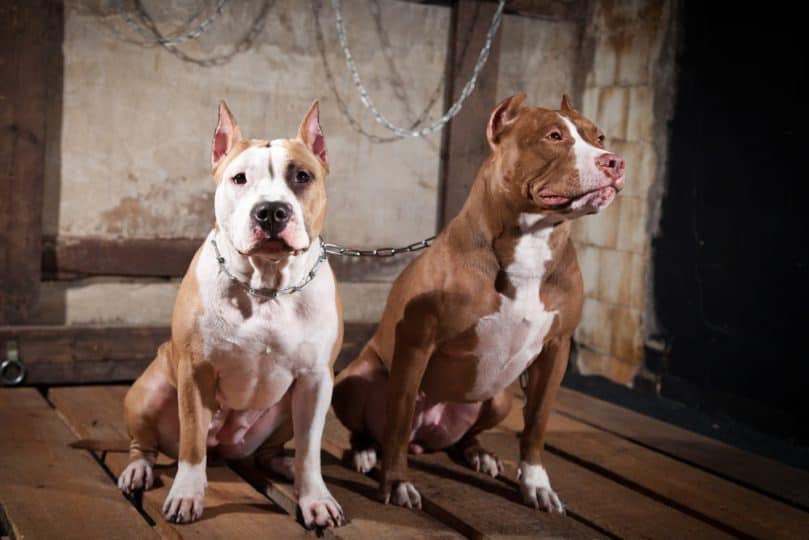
(621, 72)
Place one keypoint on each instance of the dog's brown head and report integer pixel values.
(552, 161)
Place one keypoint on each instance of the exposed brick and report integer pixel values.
(634, 58)
(637, 158)
(602, 228)
(591, 362)
(627, 329)
(589, 105)
(595, 327)
(614, 277)
(612, 116)
(640, 114)
(632, 225)
(605, 63)
(589, 264)
(637, 295)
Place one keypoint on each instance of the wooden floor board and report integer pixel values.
(595, 499)
(762, 474)
(49, 490)
(474, 504)
(233, 509)
(736, 509)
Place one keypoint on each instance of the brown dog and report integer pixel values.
(497, 294)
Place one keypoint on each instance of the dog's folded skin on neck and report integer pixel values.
(243, 367)
(498, 293)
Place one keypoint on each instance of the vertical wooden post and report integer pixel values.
(29, 57)
(464, 145)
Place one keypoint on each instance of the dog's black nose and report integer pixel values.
(272, 216)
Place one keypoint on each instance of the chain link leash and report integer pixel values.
(456, 106)
(335, 249)
(326, 249)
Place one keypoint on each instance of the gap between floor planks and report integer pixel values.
(726, 505)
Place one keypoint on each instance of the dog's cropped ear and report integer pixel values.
(311, 134)
(226, 135)
(503, 117)
(566, 106)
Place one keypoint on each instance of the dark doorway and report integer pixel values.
(731, 262)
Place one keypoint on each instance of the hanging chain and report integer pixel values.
(149, 30)
(456, 106)
(335, 249)
(341, 104)
(150, 37)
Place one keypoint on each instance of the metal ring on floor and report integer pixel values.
(9, 366)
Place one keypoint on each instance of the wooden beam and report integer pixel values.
(30, 58)
(464, 145)
(556, 10)
(66, 257)
(93, 354)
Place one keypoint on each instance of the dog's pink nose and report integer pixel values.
(613, 166)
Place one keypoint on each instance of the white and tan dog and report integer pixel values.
(250, 354)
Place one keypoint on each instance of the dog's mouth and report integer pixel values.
(555, 200)
(273, 246)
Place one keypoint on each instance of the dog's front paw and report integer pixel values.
(403, 494)
(137, 475)
(535, 487)
(364, 460)
(184, 502)
(320, 511)
(483, 461)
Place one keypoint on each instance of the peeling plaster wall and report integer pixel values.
(622, 95)
(137, 122)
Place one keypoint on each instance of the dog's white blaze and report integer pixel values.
(511, 338)
(233, 203)
(586, 154)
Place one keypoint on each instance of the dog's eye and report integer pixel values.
(555, 135)
(239, 179)
(302, 177)
(601, 139)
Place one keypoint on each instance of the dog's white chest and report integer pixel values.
(510, 338)
(259, 347)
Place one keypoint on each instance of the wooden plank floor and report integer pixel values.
(621, 474)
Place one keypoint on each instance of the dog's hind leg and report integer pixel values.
(150, 410)
(469, 450)
(359, 401)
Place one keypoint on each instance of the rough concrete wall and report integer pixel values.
(537, 57)
(137, 121)
(613, 247)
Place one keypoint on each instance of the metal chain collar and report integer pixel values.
(271, 293)
(456, 106)
(326, 250)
